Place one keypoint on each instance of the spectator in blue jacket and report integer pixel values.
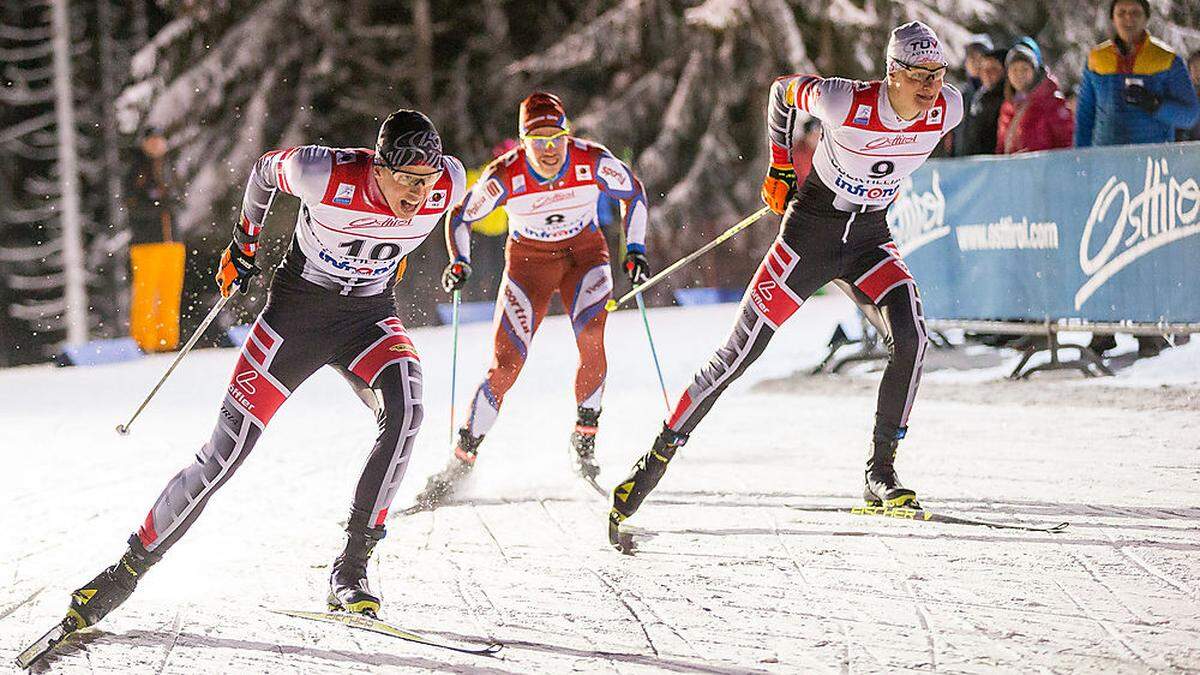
(1135, 89)
(1193, 134)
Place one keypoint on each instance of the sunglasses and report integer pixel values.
(540, 143)
(922, 75)
(415, 180)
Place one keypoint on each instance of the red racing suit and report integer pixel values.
(554, 244)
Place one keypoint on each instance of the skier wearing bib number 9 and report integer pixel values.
(874, 135)
(330, 303)
(549, 185)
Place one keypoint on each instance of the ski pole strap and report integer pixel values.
(745, 222)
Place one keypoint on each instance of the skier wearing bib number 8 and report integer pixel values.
(549, 185)
(874, 135)
(330, 303)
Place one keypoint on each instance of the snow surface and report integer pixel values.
(728, 578)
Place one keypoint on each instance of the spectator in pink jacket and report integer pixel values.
(1034, 115)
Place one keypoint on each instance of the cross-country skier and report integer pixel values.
(549, 185)
(874, 134)
(330, 303)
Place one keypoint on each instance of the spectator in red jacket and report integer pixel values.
(1034, 115)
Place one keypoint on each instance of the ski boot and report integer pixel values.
(348, 587)
(629, 493)
(95, 599)
(583, 444)
(881, 485)
(442, 484)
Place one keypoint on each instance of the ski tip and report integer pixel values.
(1061, 527)
(610, 305)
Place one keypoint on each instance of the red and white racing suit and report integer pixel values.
(554, 243)
(834, 230)
(330, 303)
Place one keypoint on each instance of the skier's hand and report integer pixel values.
(636, 267)
(779, 187)
(237, 268)
(455, 276)
(1137, 95)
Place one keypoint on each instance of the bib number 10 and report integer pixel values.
(384, 250)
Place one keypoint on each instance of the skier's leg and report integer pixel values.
(585, 288)
(883, 286)
(387, 373)
(529, 282)
(783, 282)
(272, 363)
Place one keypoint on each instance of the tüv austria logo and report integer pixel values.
(1122, 226)
(918, 218)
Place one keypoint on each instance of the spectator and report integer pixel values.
(1135, 89)
(806, 145)
(1193, 66)
(1034, 115)
(977, 133)
(977, 50)
(156, 259)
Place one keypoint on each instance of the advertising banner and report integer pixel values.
(1095, 234)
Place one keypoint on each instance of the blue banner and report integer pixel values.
(1095, 234)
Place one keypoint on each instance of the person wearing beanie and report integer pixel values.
(330, 303)
(550, 186)
(1034, 115)
(978, 46)
(874, 136)
(1134, 89)
(977, 134)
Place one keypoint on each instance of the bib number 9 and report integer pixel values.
(882, 168)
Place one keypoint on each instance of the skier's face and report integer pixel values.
(406, 187)
(546, 148)
(915, 87)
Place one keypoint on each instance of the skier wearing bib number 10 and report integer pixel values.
(330, 303)
(874, 135)
(549, 185)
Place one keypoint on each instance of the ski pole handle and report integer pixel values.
(636, 290)
(123, 429)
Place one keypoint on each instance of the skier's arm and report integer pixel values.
(826, 99)
(486, 195)
(301, 171)
(617, 180)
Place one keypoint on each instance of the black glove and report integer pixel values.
(455, 276)
(1137, 95)
(636, 267)
(236, 268)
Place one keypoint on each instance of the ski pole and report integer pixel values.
(453, 358)
(123, 429)
(636, 290)
(653, 352)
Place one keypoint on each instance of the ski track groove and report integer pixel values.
(1105, 625)
(491, 534)
(473, 607)
(641, 624)
(1095, 575)
(1178, 586)
(20, 603)
(931, 635)
(176, 625)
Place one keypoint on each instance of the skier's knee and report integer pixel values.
(908, 345)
